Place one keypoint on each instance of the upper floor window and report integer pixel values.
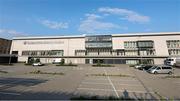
(173, 43)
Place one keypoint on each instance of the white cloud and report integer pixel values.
(93, 24)
(54, 24)
(9, 33)
(126, 14)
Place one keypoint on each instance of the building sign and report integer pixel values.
(42, 42)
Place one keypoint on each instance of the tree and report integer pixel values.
(98, 62)
(31, 61)
(62, 62)
(37, 60)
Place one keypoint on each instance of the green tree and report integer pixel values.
(37, 60)
(62, 62)
(98, 62)
(31, 61)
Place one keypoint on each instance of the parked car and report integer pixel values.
(139, 66)
(145, 67)
(37, 64)
(161, 69)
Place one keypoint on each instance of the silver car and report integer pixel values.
(161, 69)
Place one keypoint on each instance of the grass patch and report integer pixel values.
(66, 65)
(103, 74)
(102, 65)
(172, 76)
(132, 65)
(100, 98)
(28, 64)
(51, 73)
(1, 71)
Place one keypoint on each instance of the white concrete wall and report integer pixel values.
(68, 45)
(159, 61)
(159, 42)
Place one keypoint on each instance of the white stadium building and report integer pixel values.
(133, 48)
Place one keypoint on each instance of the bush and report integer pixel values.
(66, 65)
(98, 63)
(102, 65)
(28, 64)
(51, 73)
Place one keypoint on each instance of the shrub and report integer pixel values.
(98, 63)
(51, 73)
(102, 65)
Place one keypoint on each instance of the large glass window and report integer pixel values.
(99, 41)
(98, 38)
(43, 53)
(145, 44)
(98, 45)
(173, 43)
(130, 44)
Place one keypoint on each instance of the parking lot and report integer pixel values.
(120, 81)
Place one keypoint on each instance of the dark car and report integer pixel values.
(145, 67)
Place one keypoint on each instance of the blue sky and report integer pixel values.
(72, 17)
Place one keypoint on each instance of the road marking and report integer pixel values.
(177, 82)
(94, 83)
(94, 89)
(110, 90)
(10, 93)
(111, 84)
(96, 79)
(133, 80)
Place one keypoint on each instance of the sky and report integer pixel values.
(89, 17)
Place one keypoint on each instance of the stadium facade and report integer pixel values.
(133, 48)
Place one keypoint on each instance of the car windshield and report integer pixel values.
(153, 67)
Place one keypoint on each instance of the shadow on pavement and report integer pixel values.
(7, 94)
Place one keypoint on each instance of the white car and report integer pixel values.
(37, 64)
(139, 66)
(161, 69)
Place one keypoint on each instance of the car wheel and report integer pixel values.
(170, 73)
(155, 72)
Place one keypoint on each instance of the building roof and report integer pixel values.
(113, 35)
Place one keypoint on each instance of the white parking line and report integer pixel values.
(6, 93)
(111, 90)
(177, 82)
(111, 84)
(94, 83)
(97, 79)
(133, 80)
(94, 89)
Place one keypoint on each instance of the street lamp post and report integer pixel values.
(10, 52)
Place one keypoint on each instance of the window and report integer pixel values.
(145, 44)
(44, 53)
(173, 43)
(166, 68)
(15, 52)
(130, 44)
(158, 68)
